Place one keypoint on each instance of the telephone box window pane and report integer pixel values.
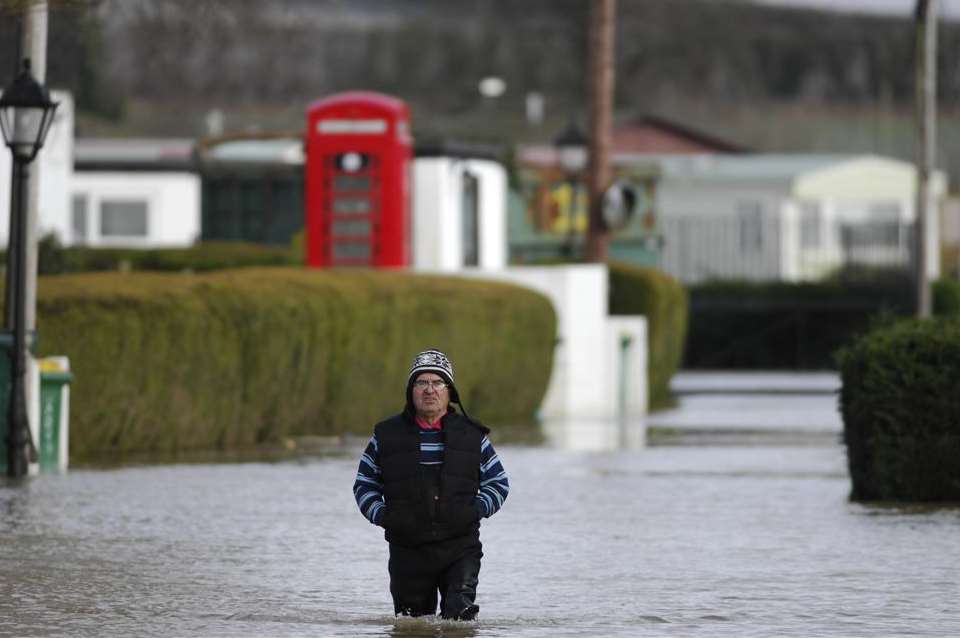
(351, 206)
(123, 219)
(359, 227)
(351, 183)
(351, 251)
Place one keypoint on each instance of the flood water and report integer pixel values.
(662, 541)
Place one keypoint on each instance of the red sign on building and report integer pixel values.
(358, 150)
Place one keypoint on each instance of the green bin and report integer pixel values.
(53, 446)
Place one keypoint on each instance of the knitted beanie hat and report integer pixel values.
(436, 362)
(431, 361)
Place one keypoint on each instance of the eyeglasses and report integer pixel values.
(422, 384)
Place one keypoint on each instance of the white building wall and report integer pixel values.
(438, 214)
(627, 348)
(816, 261)
(172, 202)
(53, 167)
(789, 239)
(493, 211)
(434, 191)
(589, 363)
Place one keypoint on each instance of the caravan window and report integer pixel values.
(123, 218)
(884, 225)
(871, 225)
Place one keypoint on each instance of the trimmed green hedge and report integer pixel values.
(174, 362)
(663, 300)
(900, 401)
(747, 325)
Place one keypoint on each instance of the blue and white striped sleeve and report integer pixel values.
(368, 488)
(494, 485)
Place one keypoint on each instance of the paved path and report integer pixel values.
(688, 382)
(755, 403)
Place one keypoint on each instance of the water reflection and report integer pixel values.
(432, 628)
(595, 435)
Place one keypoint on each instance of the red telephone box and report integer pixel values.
(358, 156)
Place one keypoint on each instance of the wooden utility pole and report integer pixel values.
(601, 43)
(926, 121)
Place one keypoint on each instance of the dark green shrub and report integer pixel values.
(663, 301)
(946, 298)
(748, 325)
(900, 401)
(50, 257)
(174, 362)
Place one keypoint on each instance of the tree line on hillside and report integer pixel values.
(109, 52)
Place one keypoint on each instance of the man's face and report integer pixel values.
(429, 401)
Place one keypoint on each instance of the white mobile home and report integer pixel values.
(459, 210)
(785, 217)
(134, 193)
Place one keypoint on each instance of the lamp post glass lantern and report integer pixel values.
(572, 155)
(26, 113)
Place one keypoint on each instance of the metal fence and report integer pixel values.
(698, 248)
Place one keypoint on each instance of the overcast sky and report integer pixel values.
(950, 8)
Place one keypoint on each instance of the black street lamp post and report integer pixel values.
(26, 113)
(572, 155)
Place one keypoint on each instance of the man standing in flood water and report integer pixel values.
(428, 475)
